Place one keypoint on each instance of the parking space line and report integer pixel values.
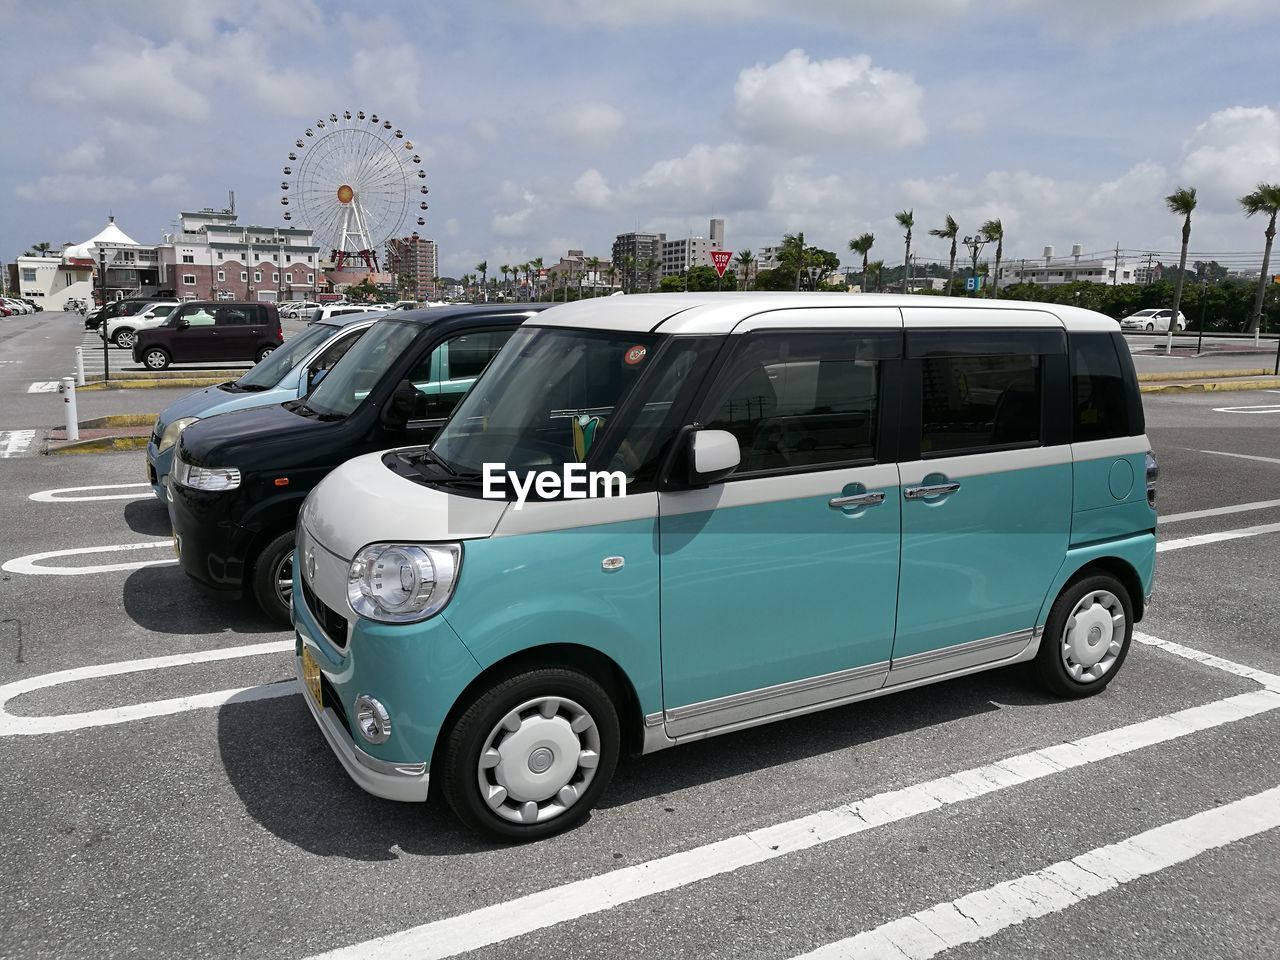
(1241, 456)
(1250, 408)
(11, 725)
(44, 386)
(53, 496)
(546, 908)
(1219, 511)
(1218, 537)
(984, 913)
(14, 443)
(1269, 680)
(30, 564)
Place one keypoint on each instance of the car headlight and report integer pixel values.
(205, 478)
(403, 582)
(173, 431)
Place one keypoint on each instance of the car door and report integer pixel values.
(236, 329)
(198, 340)
(779, 585)
(986, 485)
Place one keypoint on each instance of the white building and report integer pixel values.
(680, 255)
(1051, 272)
(51, 281)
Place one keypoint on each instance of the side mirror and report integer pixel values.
(400, 406)
(713, 455)
(183, 323)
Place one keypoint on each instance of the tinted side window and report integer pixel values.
(799, 400)
(335, 351)
(1099, 398)
(468, 355)
(234, 316)
(972, 403)
(471, 353)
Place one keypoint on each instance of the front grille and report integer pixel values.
(329, 698)
(331, 622)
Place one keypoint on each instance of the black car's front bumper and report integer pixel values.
(212, 547)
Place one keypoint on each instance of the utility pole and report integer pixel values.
(102, 277)
(1115, 270)
(975, 244)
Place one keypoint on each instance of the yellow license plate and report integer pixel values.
(311, 676)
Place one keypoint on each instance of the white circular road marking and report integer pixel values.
(30, 564)
(1250, 408)
(58, 494)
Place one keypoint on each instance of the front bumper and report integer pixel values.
(212, 547)
(158, 467)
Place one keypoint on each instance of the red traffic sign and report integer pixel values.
(721, 260)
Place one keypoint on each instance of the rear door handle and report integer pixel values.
(868, 499)
(925, 491)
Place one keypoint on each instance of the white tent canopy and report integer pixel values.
(110, 234)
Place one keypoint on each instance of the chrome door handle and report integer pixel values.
(868, 499)
(930, 490)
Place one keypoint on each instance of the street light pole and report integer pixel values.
(1204, 307)
(975, 244)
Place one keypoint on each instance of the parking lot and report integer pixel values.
(166, 792)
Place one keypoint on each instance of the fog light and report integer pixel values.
(372, 719)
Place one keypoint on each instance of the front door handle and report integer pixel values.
(868, 499)
(925, 491)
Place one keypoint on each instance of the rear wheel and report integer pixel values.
(1086, 637)
(532, 754)
(155, 358)
(273, 578)
(264, 353)
(125, 338)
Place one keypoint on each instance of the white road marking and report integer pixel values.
(53, 496)
(43, 386)
(1218, 537)
(14, 443)
(30, 564)
(546, 908)
(1219, 511)
(1269, 680)
(1241, 456)
(11, 725)
(1250, 408)
(984, 913)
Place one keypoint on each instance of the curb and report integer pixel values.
(119, 420)
(1213, 386)
(1201, 374)
(99, 445)
(151, 384)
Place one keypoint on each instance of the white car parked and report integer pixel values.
(1153, 321)
(17, 306)
(123, 331)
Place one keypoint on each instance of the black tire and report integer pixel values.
(155, 358)
(1050, 666)
(127, 334)
(275, 560)
(263, 353)
(1150, 327)
(460, 755)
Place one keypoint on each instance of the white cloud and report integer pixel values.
(588, 124)
(591, 190)
(514, 224)
(170, 185)
(726, 177)
(803, 103)
(1231, 152)
(65, 187)
(112, 76)
(484, 131)
(388, 75)
(971, 122)
(86, 155)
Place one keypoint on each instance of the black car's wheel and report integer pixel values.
(124, 337)
(155, 358)
(273, 578)
(531, 755)
(1086, 637)
(265, 352)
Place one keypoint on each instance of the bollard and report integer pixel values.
(80, 366)
(68, 391)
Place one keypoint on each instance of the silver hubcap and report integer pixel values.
(1094, 636)
(155, 360)
(284, 578)
(539, 760)
(125, 340)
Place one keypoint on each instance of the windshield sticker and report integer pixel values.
(584, 433)
(634, 355)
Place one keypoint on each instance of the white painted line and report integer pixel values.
(1251, 408)
(984, 913)
(30, 564)
(1241, 456)
(14, 443)
(1219, 511)
(1269, 680)
(55, 495)
(546, 908)
(1218, 537)
(11, 725)
(43, 386)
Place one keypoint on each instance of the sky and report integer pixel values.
(550, 125)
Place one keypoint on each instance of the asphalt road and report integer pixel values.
(232, 831)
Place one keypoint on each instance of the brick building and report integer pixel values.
(416, 259)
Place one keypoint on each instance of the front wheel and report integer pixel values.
(273, 578)
(155, 359)
(1150, 327)
(1086, 637)
(532, 754)
(125, 338)
(264, 353)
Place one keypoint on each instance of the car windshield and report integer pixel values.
(546, 398)
(1144, 313)
(357, 373)
(284, 358)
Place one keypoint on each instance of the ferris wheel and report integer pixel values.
(353, 180)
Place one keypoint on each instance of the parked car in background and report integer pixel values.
(1153, 321)
(238, 480)
(16, 306)
(5, 309)
(118, 308)
(289, 373)
(35, 307)
(302, 309)
(325, 311)
(123, 331)
(205, 330)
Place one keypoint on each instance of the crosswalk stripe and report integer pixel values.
(43, 386)
(15, 443)
(982, 914)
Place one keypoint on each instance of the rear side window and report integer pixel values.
(974, 403)
(1099, 393)
(235, 316)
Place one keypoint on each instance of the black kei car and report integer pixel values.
(239, 478)
(205, 331)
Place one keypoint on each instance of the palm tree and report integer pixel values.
(1265, 199)
(993, 230)
(504, 270)
(906, 219)
(41, 249)
(629, 273)
(793, 253)
(612, 273)
(744, 260)
(532, 267)
(1181, 202)
(483, 269)
(594, 264)
(877, 268)
(648, 268)
(862, 244)
(949, 232)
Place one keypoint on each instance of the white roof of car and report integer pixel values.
(709, 313)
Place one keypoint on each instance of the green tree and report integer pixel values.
(612, 274)
(949, 231)
(993, 230)
(365, 291)
(906, 219)
(648, 267)
(877, 268)
(533, 273)
(505, 269)
(405, 283)
(594, 264)
(1181, 202)
(482, 268)
(629, 274)
(792, 255)
(1266, 200)
(41, 249)
(862, 244)
(744, 259)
